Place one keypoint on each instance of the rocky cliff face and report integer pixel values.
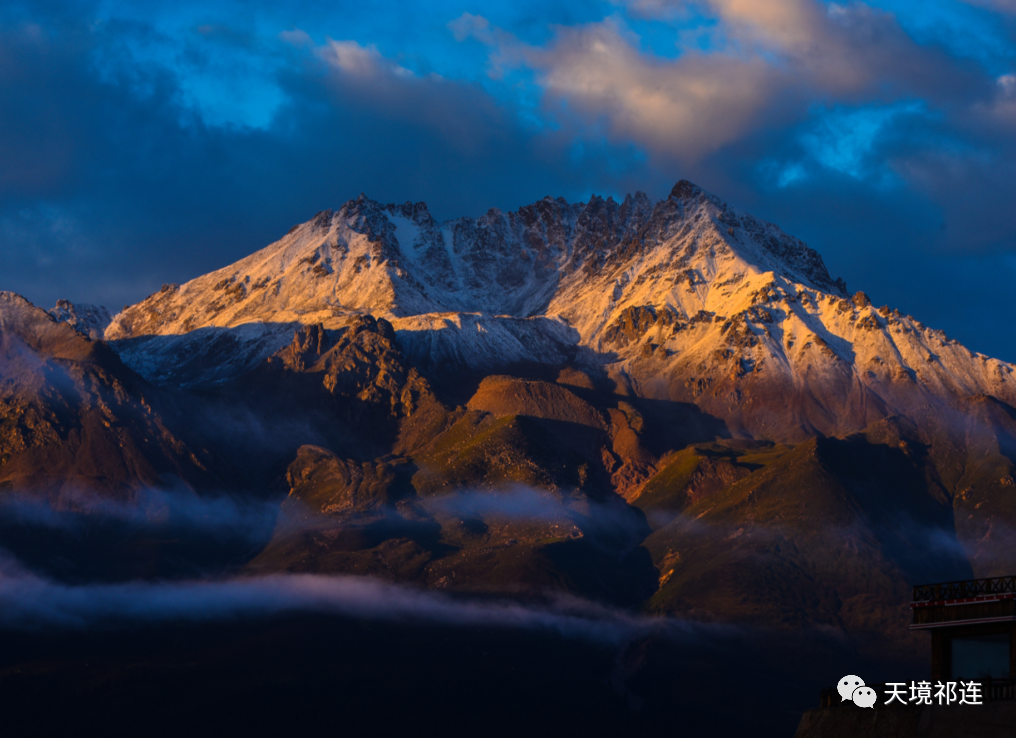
(75, 423)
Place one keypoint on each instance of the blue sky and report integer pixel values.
(143, 143)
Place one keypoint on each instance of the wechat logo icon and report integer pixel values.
(864, 697)
(852, 688)
(847, 685)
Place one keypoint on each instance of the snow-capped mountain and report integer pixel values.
(688, 300)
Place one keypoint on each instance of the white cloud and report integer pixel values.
(766, 62)
(296, 37)
(690, 106)
(359, 61)
(469, 25)
(1007, 85)
(1001, 112)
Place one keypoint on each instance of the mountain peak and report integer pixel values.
(685, 190)
(397, 260)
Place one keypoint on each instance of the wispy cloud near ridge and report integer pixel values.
(29, 602)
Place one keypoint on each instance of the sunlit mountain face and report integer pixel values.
(639, 358)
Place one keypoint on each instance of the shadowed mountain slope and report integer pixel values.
(74, 420)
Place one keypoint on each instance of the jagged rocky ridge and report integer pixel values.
(687, 300)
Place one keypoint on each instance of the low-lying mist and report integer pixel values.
(156, 534)
(29, 601)
(149, 508)
(605, 520)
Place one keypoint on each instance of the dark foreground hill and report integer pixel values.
(310, 674)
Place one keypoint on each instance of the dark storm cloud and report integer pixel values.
(141, 149)
(112, 186)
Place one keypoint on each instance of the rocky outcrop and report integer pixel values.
(88, 320)
(635, 322)
(361, 364)
(506, 396)
(327, 484)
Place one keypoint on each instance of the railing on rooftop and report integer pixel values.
(965, 589)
